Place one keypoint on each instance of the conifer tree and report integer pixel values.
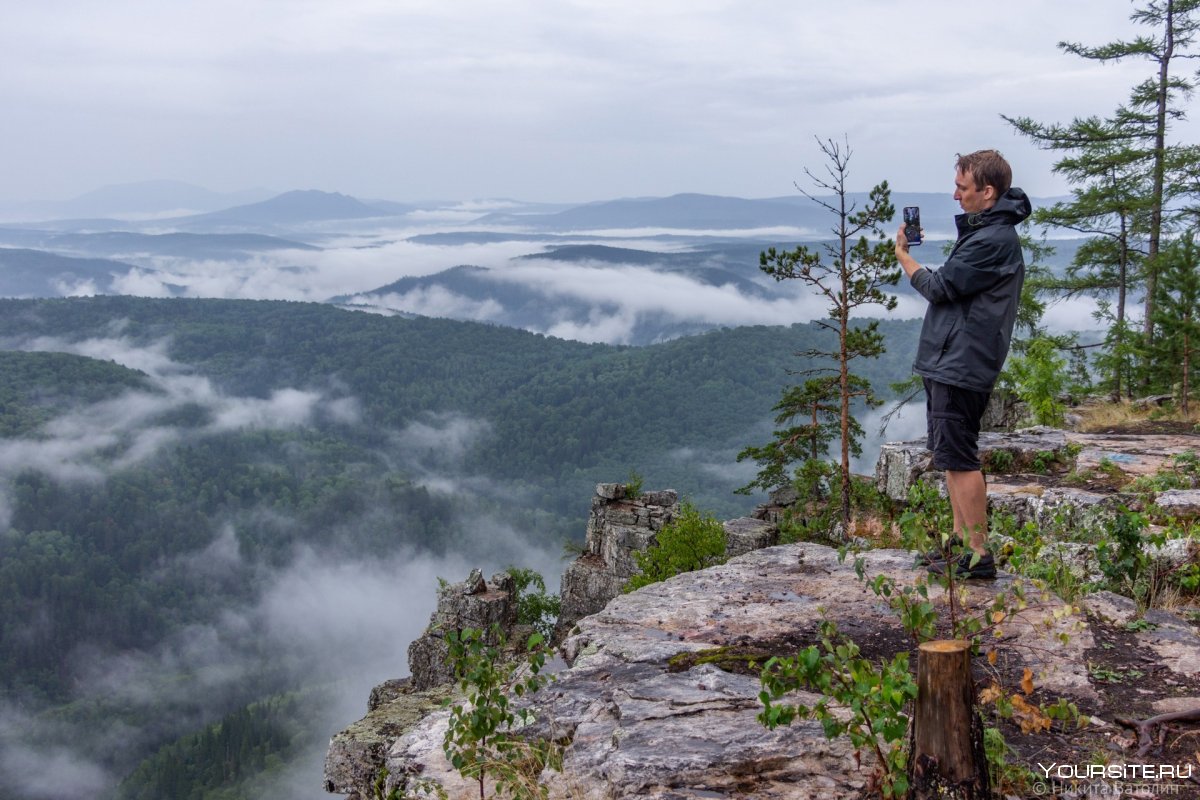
(811, 416)
(1127, 172)
(1153, 105)
(1177, 318)
(850, 272)
(1109, 204)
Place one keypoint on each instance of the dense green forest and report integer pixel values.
(229, 759)
(34, 387)
(562, 414)
(96, 561)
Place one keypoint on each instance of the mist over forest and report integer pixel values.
(242, 437)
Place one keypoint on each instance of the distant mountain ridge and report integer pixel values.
(714, 212)
(121, 243)
(142, 199)
(34, 273)
(681, 210)
(301, 205)
(692, 211)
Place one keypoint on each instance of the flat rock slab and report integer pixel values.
(639, 729)
(1134, 455)
(1179, 502)
(1036, 497)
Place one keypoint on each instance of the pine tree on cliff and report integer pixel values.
(1135, 138)
(1177, 320)
(850, 272)
(1110, 204)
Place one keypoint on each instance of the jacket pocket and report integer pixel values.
(955, 327)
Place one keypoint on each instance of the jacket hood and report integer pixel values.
(1013, 208)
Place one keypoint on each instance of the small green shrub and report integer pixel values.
(927, 520)
(1005, 777)
(999, 461)
(1040, 377)
(536, 607)
(479, 741)
(1187, 578)
(1042, 461)
(1030, 558)
(875, 696)
(690, 542)
(1123, 560)
(633, 485)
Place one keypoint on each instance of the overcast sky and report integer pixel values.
(559, 100)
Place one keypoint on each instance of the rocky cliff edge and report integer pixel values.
(660, 695)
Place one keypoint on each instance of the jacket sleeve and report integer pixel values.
(977, 266)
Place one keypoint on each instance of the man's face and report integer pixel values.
(971, 199)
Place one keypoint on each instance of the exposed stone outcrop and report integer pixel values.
(1042, 505)
(1172, 641)
(778, 502)
(1182, 503)
(356, 754)
(642, 724)
(1082, 559)
(746, 533)
(618, 526)
(1004, 412)
(639, 722)
(474, 603)
(901, 464)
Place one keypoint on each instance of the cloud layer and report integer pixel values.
(342, 623)
(329, 616)
(88, 442)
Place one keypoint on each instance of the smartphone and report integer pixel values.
(912, 224)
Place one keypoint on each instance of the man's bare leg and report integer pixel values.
(968, 499)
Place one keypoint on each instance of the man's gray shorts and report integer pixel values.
(952, 417)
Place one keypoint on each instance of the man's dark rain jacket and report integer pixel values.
(973, 298)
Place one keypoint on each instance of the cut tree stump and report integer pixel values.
(947, 758)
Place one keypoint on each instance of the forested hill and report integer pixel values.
(36, 387)
(164, 462)
(554, 409)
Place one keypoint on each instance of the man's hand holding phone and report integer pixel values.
(910, 233)
(912, 225)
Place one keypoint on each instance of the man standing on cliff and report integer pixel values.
(973, 301)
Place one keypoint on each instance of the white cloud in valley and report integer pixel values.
(327, 621)
(88, 442)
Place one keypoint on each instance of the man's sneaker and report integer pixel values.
(938, 554)
(984, 567)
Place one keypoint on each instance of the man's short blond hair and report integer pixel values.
(986, 168)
